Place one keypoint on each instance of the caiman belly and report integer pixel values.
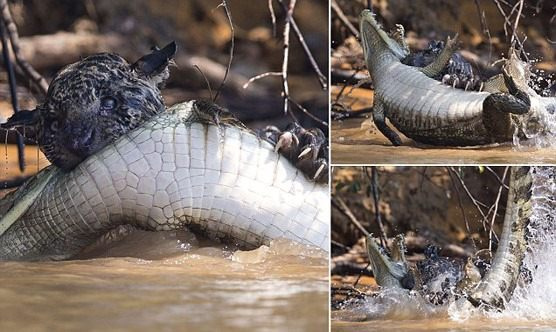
(433, 113)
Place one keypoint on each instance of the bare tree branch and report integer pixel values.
(339, 204)
(491, 232)
(36, 78)
(232, 39)
(343, 18)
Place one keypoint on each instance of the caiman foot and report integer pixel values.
(208, 112)
(389, 133)
(307, 149)
(437, 66)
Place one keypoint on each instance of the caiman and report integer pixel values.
(440, 279)
(121, 158)
(430, 112)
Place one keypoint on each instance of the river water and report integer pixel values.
(358, 141)
(169, 281)
(531, 308)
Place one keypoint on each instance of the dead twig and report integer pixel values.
(229, 16)
(500, 181)
(258, 77)
(375, 191)
(206, 81)
(485, 28)
(288, 25)
(491, 232)
(343, 18)
(462, 209)
(339, 204)
(508, 24)
(365, 269)
(272, 17)
(321, 78)
(304, 110)
(475, 202)
(38, 81)
(285, 59)
(13, 92)
(339, 96)
(338, 244)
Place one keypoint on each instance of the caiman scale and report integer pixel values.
(430, 112)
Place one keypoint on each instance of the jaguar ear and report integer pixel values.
(21, 119)
(154, 66)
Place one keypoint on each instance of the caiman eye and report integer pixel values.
(108, 103)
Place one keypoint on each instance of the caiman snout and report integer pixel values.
(389, 272)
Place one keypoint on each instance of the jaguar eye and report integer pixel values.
(108, 103)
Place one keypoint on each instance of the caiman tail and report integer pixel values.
(500, 281)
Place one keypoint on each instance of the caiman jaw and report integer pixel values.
(387, 272)
(375, 40)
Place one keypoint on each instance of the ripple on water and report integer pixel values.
(169, 280)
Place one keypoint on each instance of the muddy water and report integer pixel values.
(177, 283)
(396, 312)
(358, 141)
(445, 325)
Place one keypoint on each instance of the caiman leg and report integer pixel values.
(498, 106)
(379, 118)
(438, 65)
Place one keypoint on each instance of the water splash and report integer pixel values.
(537, 300)
(538, 127)
(391, 304)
